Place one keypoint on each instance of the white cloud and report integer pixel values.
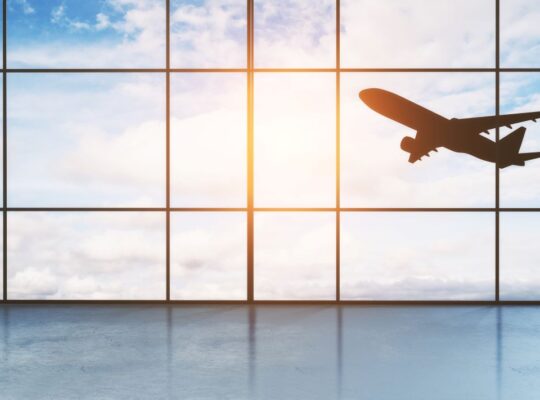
(295, 256)
(519, 185)
(102, 21)
(520, 276)
(520, 33)
(109, 151)
(418, 256)
(26, 7)
(40, 283)
(209, 140)
(295, 33)
(58, 14)
(210, 34)
(87, 255)
(418, 33)
(208, 255)
(136, 38)
(134, 157)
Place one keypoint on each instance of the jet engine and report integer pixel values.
(408, 144)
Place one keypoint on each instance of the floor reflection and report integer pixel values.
(252, 347)
(499, 355)
(269, 352)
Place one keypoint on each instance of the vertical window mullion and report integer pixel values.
(250, 155)
(4, 149)
(497, 172)
(338, 143)
(168, 151)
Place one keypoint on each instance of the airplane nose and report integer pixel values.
(366, 94)
(362, 94)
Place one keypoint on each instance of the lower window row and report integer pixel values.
(383, 255)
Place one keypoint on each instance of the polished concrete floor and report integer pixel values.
(269, 352)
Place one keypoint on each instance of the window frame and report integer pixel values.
(251, 210)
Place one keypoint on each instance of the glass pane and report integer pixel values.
(295, 33)
(519, 185)
(208, 140)
(208, 33)
(520, 257)
(520, 36)
(374, 169)
(2, 150)
(417, 33)
(295, 136)
(86, 140)
(295, 256)
(208, 256)
(417, 256)
(90, 33)
(92, 255)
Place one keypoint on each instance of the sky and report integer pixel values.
(98, 140)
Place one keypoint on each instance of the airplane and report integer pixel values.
(459, 135)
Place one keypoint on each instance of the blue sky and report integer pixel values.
(98, 140)
(100, 33)
(68, 21)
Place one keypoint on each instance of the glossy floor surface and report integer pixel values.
(269, 352)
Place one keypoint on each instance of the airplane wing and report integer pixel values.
(478, 125)
(481, 124)
(420, 151)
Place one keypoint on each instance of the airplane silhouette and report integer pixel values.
(459, 135)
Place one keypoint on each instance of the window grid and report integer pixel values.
(250, 210)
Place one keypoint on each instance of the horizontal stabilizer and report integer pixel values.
(529, 156)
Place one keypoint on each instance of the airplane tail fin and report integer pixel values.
(509, 149)
(511, 143)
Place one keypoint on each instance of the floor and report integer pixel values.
(269, 352)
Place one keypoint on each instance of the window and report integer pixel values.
(295, 33)
(295, 150)
(226, 155)
(92, 255)
(208, 140)
(374, 170)
(520, 42)
(520, 258)
(208, 256)
(520, 186)
(86, 140)
(417, 33)
(89, 34)
(417, 256)
(295, 256)
(208, 34)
